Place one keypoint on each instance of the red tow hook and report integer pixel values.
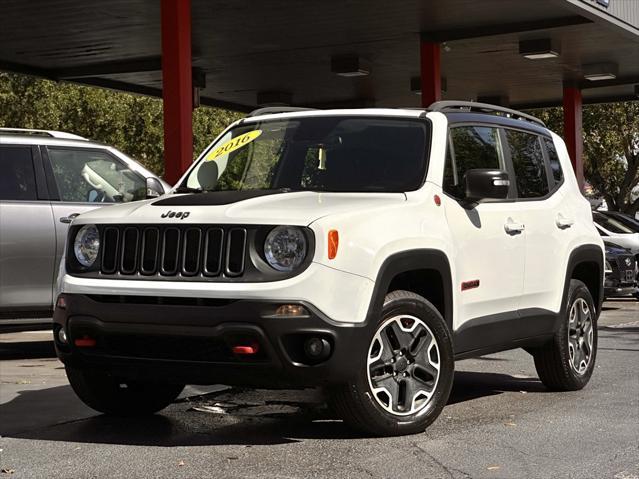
(85, 342)
(246, 350)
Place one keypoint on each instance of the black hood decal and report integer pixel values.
(213, 198)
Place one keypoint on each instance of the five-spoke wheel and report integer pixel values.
(580, 335)
(405, 374)
(403, 365)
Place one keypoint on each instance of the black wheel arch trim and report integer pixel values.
(403, 262)
(587, 253)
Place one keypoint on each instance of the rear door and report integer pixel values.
(27, 232)
(82, 179)
(549, 221)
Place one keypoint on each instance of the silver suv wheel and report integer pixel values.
(403, 365)
(580, 336)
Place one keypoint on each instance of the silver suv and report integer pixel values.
(47, 178)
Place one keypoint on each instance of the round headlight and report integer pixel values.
(87, 245)
(285, 248)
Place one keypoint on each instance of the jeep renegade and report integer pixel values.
(363, 251)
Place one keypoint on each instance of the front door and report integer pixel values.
(488, 239)
(82, 179)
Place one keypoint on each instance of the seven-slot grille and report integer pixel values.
(171, 251)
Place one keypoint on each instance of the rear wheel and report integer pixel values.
(406, 377)
(119, 397)
(567, 363)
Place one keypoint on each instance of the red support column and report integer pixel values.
(177, 87)
(430, 57)
(573, 130)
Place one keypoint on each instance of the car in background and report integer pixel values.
(47, 179)
(623, 218)
(620, 272)
(614, 231)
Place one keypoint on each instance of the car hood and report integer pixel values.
(294, 208)
(614, 249)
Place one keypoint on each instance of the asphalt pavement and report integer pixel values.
(500, 423)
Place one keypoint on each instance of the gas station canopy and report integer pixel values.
(337, 53)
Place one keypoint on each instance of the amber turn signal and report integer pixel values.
(333, 243)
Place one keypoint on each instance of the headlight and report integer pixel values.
(87, 245)
(285, 248)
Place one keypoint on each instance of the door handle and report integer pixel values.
(68, 219)
(563, 223)
(513, 228)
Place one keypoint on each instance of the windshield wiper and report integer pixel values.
(188, 189)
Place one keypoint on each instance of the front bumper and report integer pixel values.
(611, 291)
(190, 341)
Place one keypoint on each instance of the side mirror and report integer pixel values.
(483, 183)
(154, 188)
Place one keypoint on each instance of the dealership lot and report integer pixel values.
(500, 422)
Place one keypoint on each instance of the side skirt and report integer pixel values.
(503, 331)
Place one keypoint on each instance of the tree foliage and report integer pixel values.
(131, 123)
(611, 150)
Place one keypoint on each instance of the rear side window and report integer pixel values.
(470, 147)
(553, 158)
(528, 163)
(17, 177)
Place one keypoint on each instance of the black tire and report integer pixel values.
(355, 403)
(109, 395)
(553, 361)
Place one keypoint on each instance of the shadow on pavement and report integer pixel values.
(236, 418)
(27, 350)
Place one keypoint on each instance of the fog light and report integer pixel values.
(62, 336)
(317, 348)
(291, 310)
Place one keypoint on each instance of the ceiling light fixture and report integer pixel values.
(349, 66)
(539, 49)
(600, 71)
(416, 85)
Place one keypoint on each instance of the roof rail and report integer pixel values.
(271, 110)
(450, 106)
(51, 133)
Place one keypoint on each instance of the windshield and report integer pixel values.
(338, 153)
(611, 224)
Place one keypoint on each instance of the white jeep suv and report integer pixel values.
(359, 250)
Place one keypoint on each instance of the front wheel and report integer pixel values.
(111, 395)
(566, 363)
(406, 374)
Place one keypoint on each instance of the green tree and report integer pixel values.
(131, 123)
(611, 150)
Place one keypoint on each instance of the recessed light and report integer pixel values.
(349, 66)
(600, 71)
(416, 85)
(539, 49)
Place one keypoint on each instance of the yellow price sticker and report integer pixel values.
(232, 145)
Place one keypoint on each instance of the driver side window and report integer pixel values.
(470, 147)
(84, 175)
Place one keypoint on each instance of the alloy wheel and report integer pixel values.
(580, 335)
(403, 365)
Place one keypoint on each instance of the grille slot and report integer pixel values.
(188, 251)
(110, 250)
(235, 251)
(191, 252)
(150, 249)
(170, 251)
(213, 248)
(130, 240)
